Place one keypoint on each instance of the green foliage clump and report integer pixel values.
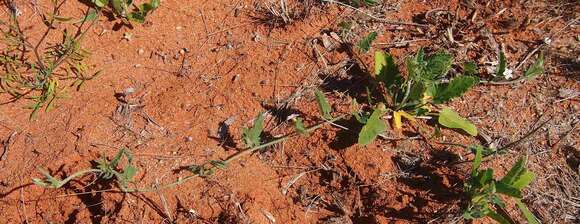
(34, 71)
(484, 190)
(416, 94)
(122, 9)
(106, 169)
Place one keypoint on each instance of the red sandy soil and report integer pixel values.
(196, 64)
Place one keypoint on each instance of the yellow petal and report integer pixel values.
(397, 120)
(406, 115)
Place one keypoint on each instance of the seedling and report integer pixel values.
(415, 94)
(484, 190)
(251, 136)
(122, 8)
(105, 169)
(34, 71)
(505, 74)
(111, 169)
(365, 44)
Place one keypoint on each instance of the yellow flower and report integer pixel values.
(397, 118)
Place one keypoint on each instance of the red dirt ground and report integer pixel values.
(196, 64)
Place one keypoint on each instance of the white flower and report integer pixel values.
(292, 116)
(508, 74)
(547, 40)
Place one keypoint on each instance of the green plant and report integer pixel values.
(251, 136)
(105, 169)
(323, 105)
(417, 93)
(484, 190)
(109, 169)
(365, 44)
(535, 69)
(122, 9)
(503, 75)
(34, 71)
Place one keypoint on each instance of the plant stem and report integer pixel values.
(212, 169)
(237, 156)
(276, 141)
(77, 174)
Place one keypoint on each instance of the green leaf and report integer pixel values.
(438, 65)
(380, 61)
(365, 43)
(374, 126)
(536, 69)
(218, 163)
(91, 15)
(497, 200)
(323, 104)
(416, 65)
(530, 217)
(120, 7)
(416, 92)
(420, 56)
(361, 118)
(155, 4)
(467, 214)
(508, 190)
(502, 65)
(355, 111)
(299, 125)
(524, 180)
(137, 17)
(485, 151)
(101, 3)
(39, 182)
(386, 70)
(485, 177)
(49, 181)
(477, 160)
(514, 172)
(251, 136)
(129, 172)
(498, 218)
(455, 88)
(470, 68)
(117, 158)
(451, 119)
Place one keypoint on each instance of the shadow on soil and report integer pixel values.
(353, 83)
(424, 183)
